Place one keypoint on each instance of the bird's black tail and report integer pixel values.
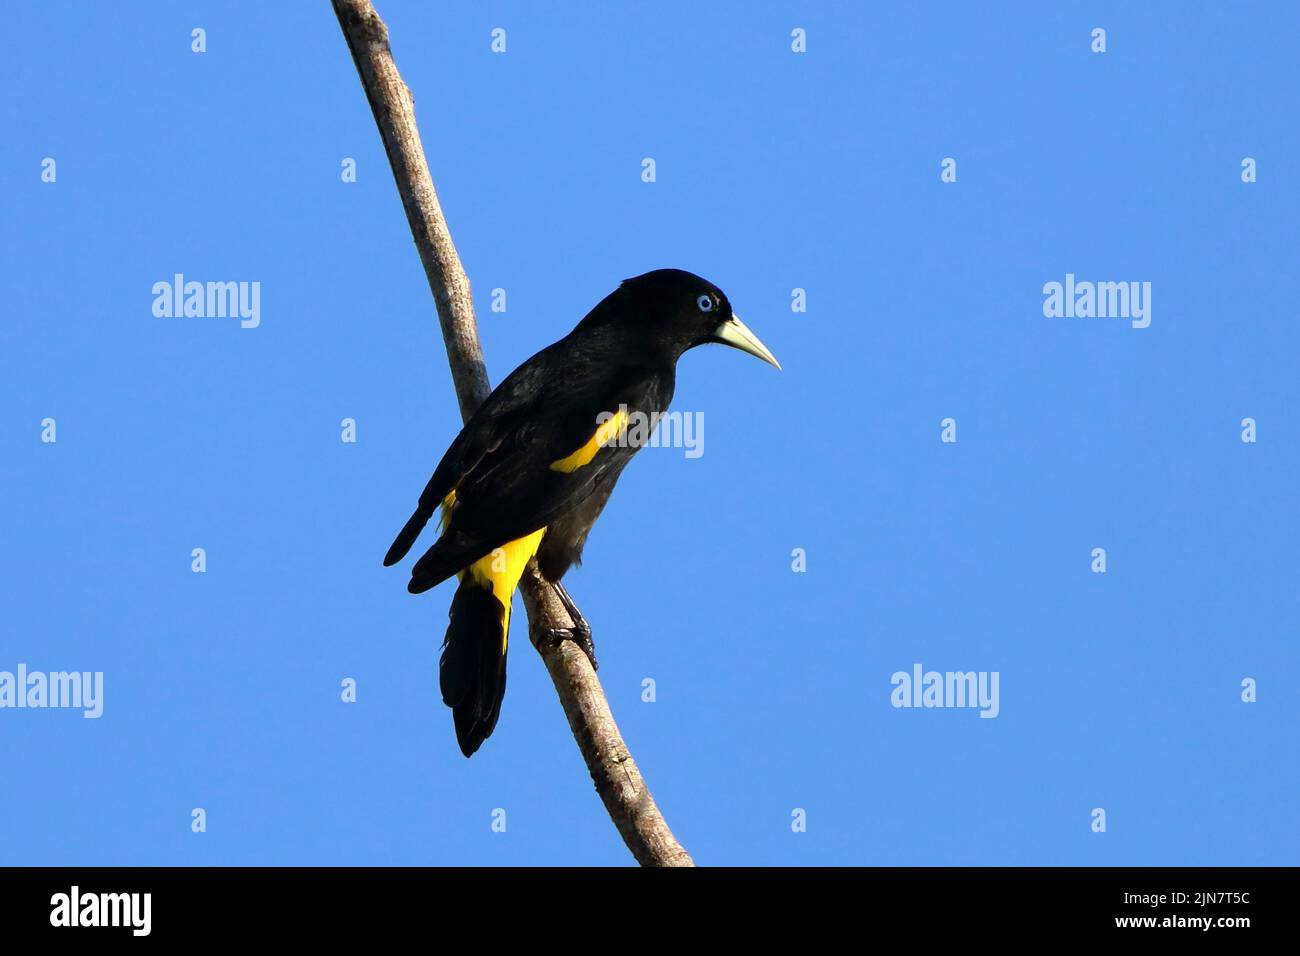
(473, 668)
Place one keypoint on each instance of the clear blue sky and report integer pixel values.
(775, 170)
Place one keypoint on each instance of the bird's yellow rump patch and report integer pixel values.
(606, 431)
(500, 569)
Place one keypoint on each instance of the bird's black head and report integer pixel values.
(675, 310)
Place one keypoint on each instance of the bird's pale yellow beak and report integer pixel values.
(736, 333)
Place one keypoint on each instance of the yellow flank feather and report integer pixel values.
(605, 432)
(501, 569)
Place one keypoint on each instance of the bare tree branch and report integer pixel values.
(617, 779)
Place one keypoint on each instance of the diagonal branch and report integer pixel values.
(617, 779)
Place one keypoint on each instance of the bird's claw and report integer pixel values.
(580, 635)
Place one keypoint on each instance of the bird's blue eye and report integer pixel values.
(705, 302)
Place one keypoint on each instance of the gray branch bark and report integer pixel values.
(618, 781)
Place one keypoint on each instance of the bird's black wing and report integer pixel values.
(523, 483)
(501, 464)
(495, 421)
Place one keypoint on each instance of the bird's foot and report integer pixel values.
(580, 634)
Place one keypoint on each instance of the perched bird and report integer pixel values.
(534, 466)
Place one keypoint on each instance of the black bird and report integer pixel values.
(533, 467)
